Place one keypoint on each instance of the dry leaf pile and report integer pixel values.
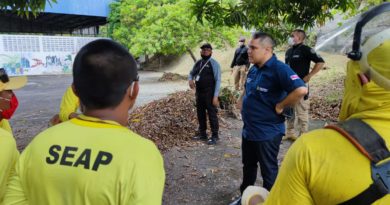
(168, 122)
(325, 100)
(168, 76)
(323, 110)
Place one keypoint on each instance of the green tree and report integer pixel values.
(126, 15)
(25, 7)
(167, 28)
(277, 17)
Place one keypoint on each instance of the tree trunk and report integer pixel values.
(146, 58)
(192, 54)
(159, 62)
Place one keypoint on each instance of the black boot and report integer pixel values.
(200, 137)
(213, 141)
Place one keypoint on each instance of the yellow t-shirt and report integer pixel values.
(323, 167)
(4, 124)
(91, 162)
(8, 157)
(69, 103)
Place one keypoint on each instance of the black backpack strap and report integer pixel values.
(374, 192)
(372, 145)
(364, 138)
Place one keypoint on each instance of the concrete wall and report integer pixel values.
(39, 55)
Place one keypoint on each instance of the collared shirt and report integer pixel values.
(88, 161)
(240, 57)
(298, 57)
(264, 88)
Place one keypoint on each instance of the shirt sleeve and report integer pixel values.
(313, 55)
(234, 59)
(15, 194)
(289, 80)
(192, 72)
(8, 158)
(69, 104)
(217, 77)
(147, 181)
(291, 183)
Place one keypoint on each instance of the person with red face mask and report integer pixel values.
(8, 99)
(8, 150)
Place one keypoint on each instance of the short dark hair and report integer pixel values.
(102, 72)
(264, 37)
(302, 32)
(206, 45)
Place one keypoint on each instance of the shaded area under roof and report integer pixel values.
(77, 7)
(48, 23)
(63, 17)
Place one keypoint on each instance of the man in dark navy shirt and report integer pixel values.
(299, 57)
(205, 77)
(270, 87)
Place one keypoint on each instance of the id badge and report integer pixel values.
(197, 78)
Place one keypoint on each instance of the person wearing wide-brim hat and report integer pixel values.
(8, 100)
(8, 150)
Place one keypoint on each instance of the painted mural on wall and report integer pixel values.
(39, 55)
(37, 63)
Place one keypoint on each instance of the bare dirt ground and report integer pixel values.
(210, 175)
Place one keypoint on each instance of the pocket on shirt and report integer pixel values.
(267, 96)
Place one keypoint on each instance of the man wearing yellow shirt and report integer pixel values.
(8, 100)
(93, 159)
(8, 151)
(68, 108)
(8, 157)
(69, 105)
(323, 166)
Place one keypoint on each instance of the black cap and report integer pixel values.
(206, 45)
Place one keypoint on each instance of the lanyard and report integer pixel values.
(203, 66)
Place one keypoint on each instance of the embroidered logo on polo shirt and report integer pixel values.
(294, 77)
(262, 89)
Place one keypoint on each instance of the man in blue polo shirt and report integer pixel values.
(270, 87)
